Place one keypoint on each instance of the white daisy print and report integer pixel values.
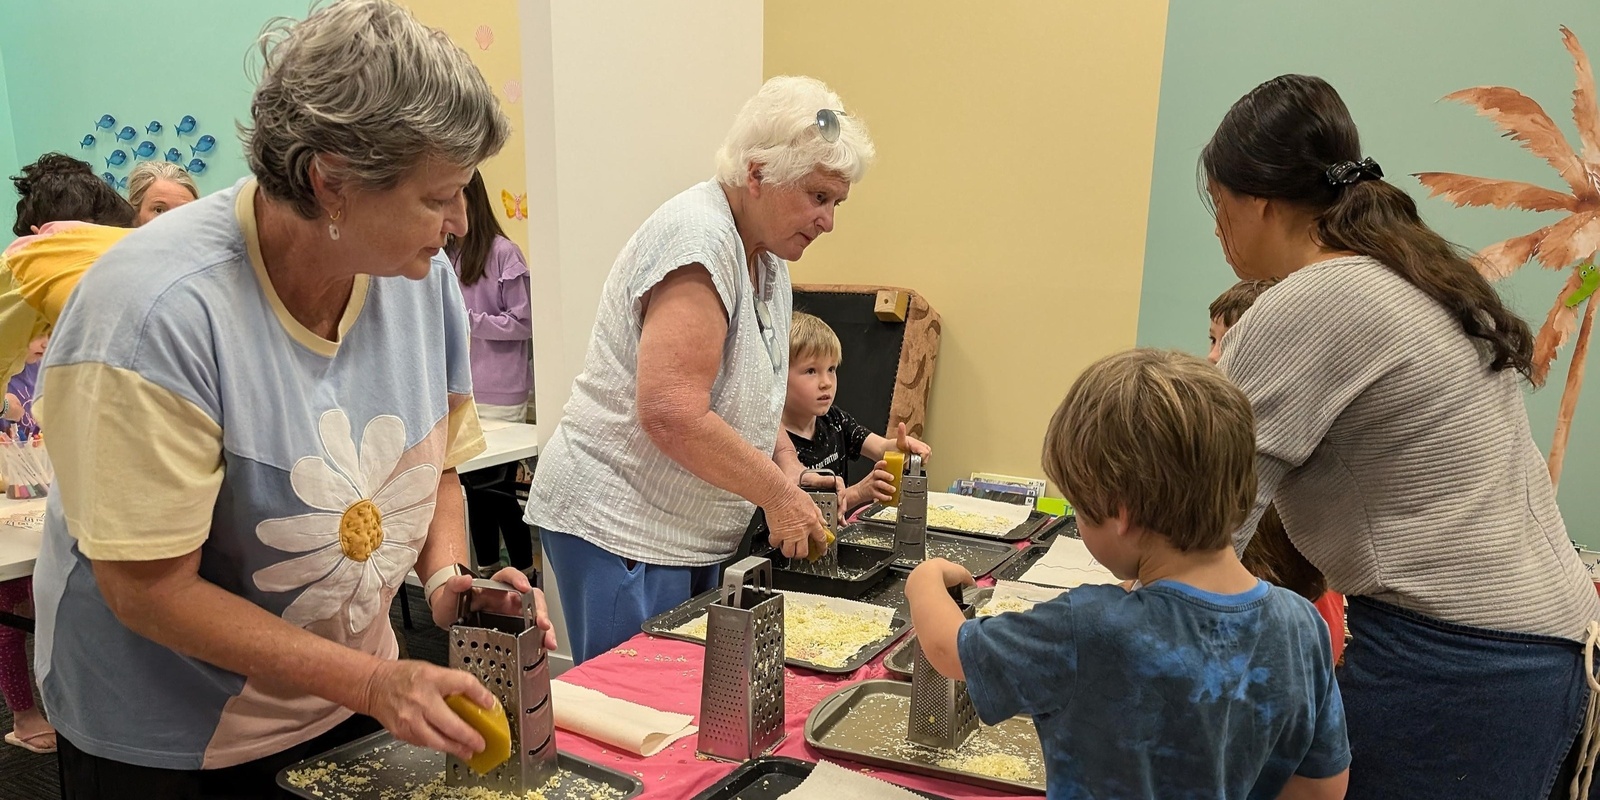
(366, 532)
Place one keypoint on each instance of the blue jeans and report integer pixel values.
(605, 597)
(1440, 710)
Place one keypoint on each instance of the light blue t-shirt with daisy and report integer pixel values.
(188, 410)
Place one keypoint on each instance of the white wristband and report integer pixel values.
(437, 579)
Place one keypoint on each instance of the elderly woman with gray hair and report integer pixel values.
(257, 409)
(671, 437)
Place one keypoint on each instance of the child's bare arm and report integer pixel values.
(1302, 788)
(935, 616)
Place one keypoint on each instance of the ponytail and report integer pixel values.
(1378, 220)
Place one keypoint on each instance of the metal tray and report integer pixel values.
(769, 778)
(1036, 520)
(979, 556)
(833, 730)
(890, 593)
(859, 570)
(1019, 566)
(406, 767)
(1050, 530)
(663, 624)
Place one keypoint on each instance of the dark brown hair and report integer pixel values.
(471, 252)
(59, 187)
(1163, 435)
(1231, 305)
(1271, 557)
(1278, 143)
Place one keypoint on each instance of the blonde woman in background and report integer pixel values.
(156, 187)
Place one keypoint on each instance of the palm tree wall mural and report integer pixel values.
(1569, 244)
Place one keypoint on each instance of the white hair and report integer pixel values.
(777, 129)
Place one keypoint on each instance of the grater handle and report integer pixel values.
(464, 600)
(753, 571)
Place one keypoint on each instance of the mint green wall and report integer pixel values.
(8, 156)
(66, 64)
(1391, 62)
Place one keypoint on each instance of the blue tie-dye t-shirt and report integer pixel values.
(1165, 692)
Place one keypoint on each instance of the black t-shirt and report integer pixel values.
(834, 444)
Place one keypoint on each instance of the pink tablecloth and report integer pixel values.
(665, 674)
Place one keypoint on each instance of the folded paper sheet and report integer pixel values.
(1068, 564)
(628, 726)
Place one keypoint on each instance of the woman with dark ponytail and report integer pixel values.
(1386, 373)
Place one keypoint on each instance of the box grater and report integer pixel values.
(911, 523)
(825, 562)
(741, 691)
(507, 653)
(942, 714)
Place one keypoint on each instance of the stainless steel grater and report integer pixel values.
(828, 503)
(911, 523)
(507, 653)
(942, 714)
(741, 691)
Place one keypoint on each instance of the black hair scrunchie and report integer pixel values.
(1345, 173)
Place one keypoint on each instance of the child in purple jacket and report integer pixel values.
(494, 282)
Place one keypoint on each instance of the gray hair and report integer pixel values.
(365, 91)
(777, 129)
(146, 174)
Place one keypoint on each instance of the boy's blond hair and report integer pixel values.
(1231, 305)
(810, 337)
(1163, 435)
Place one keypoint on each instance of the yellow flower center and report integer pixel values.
(360, 530)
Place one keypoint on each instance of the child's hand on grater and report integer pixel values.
(934, 614)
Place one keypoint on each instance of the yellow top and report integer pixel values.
(37, 275)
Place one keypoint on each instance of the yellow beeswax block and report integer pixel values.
(492, 724)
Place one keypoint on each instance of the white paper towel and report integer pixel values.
(831, 782)
(628, 726)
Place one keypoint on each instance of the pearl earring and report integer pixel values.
(333, 230)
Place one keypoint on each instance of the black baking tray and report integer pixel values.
(860, 568)
(979, 556)
(1028, 527)
(1060, 525)
(769, 778)
(1019, 566)
(407, 767)
(663, 624)
(890, 593)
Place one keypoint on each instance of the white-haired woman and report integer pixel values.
(671, 436)
(156, 187)
(258, 406)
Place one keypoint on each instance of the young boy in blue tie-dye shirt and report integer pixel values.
(1202, 682)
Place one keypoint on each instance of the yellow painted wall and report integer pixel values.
(490, 32)
(1015, 142)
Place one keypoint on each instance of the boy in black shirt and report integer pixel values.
(825, 436)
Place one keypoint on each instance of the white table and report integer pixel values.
(19, 548)
(508, 442)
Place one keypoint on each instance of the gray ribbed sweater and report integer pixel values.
(1402, 467)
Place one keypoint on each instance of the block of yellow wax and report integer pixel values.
(896, 462)
(819, 549)
(492, 724)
